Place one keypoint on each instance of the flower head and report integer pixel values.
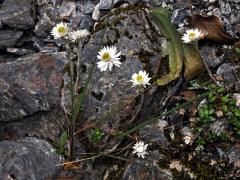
(191, 35)
(140, 149)
(140, 78)
(108, 57)
(60, 30)
(79, 34)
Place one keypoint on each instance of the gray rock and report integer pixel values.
(42, 73)
(20, 51)
(225, 7)
(142, 169)
(67, 8)
(9, 38)
(32, 95)
(132, 1)
(234, 16)
(234, 155)
(18, 102)
(96, 13)
(28, 158)
(229, 72)
(17, 14)
(210, 56)
(107, 4)
(130, 32)
(85, 6)
(86, 22)
(154, 134)
(43, 27)
(179, 16)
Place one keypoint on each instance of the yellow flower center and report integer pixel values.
(192, 35)
(106, 56)
(61, 30)
(139, 78)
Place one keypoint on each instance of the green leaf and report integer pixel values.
(225, 99)
(63, 139)
(237, 112)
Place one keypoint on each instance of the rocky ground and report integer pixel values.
(34, 93)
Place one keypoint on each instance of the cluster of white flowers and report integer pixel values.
(192, 35)
(109, 57)
(61, 30)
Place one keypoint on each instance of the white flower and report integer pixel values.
(109, 57)
(191, 35)
(60, 30)
(79, 34)
(140, 149)
(237, 97)
(140, 78)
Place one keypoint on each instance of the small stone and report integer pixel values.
(225, 8)
(67, 8)
(179, 16)
(20, 51)
(86, 22)
(209, 55)
(28, 158)
(107, 4)
(96, 13)
(43, 27)
(229, 72)
(145, 170)
(9, 38)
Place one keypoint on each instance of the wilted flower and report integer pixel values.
(109, 57)
(191, 35)
(140, 149)
(60, 30)
(79, 34)
(140, 78)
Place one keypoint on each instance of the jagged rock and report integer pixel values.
(18, 102)
(17, 14)
(31, 95)
(143, 169)
(42, 73)
(28, 158)
(9, 38)
(43, 27)
(133, 35)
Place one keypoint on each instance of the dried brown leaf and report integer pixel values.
(212, 28)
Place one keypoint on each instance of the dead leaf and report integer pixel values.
(212, 28)
(188, 95)
(70, 165)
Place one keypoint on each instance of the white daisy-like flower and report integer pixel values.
(109, 57)
(79, 34)
(60, 30)
(191, 35)
(140, 149)
(140, 78)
